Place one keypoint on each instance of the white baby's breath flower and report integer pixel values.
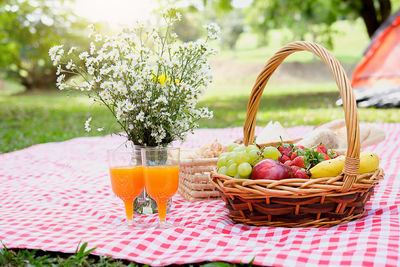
(140, 116)
(58, 70)
(92, 48)
(91, 70)
(100, 129)
(98, 37)
(69, 65)
(158, 139)
(60, 78)
(104, 71)
(83, 55)
(61, 86)
(87, 124)
(71, 50)
(129, 106)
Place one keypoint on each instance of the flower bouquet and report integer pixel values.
(147, 79)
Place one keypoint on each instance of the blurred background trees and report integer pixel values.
(28, 28)
(310, 19)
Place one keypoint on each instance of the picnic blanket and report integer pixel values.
(54, 195)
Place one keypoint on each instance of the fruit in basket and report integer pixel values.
(369, 162)
(328, 168)
(299, 162)
(254, 155)
(283, 158)
(241, 157)
(232, 146)
(232, 169)
(271, 152)
(244, 169)
(271, 169)
(223, 170)
(301, 173)
(251, 148)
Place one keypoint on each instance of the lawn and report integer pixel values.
(56, 116)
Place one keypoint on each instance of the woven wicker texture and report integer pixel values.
(293, 202)
(194, 181)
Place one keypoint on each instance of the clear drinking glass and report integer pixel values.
(161, 177)
(127, 181)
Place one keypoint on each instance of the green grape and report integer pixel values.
(221, 161)
(271, 152)
(237, 176)
(229, 163)
(241, 157)
(222, 170)
(225, 154)
(245, 177)
(232, 170)
(239, 148)
(253, 155)
(251, 148)
(231, 147)
(244, 169)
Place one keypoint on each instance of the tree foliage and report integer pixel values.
(312, 18)
(28, 28)
(231, 21)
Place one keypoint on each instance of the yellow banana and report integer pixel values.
(328, 168)
(369, 162)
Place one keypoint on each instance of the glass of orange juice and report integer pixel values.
(126, 173)
(161, 177)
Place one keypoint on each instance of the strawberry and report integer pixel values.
(293, 156)
(299, 161)
(327, 157)
(285, 149)
(301, 173)
(283, 158)
(294, 168)
(322, 149)
(288, 163)
(300, 147)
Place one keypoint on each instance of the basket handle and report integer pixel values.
(352, 161)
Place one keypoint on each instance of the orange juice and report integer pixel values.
(127, 183)
(161, 184)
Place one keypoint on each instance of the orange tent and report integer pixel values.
(380, 66)
(376, 79)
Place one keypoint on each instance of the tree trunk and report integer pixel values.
(372, 17)
(385, 9)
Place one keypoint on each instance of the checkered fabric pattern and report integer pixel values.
(54, 195)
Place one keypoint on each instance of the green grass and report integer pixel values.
(81, 257)
(48, 117)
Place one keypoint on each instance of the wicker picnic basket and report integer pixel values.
(194, 179)
(293, 202)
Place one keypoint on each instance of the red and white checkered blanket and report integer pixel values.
(54, 195)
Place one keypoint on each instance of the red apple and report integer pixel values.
(271, 169)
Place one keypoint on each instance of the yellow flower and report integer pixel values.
(162, 79)
(177, 81)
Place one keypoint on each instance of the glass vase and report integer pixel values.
(143, 204)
